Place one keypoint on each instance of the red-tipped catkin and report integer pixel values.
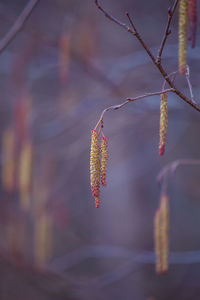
(192, 17)
(183, 21)
(161, 235)
(104, 159)
(95, 167)
(163, 122)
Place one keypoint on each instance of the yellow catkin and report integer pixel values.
(161, 235)
(104, 159)
(163, 123)
(157, 242)
(43, 239)
(25, 174)
(95, 167)
(183, 21)
(164, 210)
(8, 168)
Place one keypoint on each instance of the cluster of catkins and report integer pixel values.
(99, 151)
(187, 16)
(98, 164)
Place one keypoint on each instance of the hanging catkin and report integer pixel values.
(157, 242)
(161, 235)
(183, 21)
(163, 122)
(192, 17)
(104, 159)
(95, 167)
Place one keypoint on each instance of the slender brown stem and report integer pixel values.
(18, 24)
(158, 65)
(167, 31)
(116, 107)
(113, 19)
(140, 39)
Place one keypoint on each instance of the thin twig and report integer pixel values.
(171, 167)
(18, 24)
(167, 31)
(113, 19)
(187, 75)
(158, 66)
(128, 100)
(136, 34)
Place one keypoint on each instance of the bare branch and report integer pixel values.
(159, 66)
(167, 31)
(18, 24)
(128, 100)
(137, 35)
(113, 19)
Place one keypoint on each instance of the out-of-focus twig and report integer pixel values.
(171, 167)
(18, 24)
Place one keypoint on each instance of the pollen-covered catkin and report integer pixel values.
(163, 122)
(95, 167)
(104, 159)
(161, 235)
(164, 211)
(192, 17)
(183, 21)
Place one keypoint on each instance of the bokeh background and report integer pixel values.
(62, 69)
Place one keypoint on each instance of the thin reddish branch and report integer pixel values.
(128, 100)
(164, 74)
(167, 31)
(18, 24)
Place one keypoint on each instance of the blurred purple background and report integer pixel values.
(104, 253)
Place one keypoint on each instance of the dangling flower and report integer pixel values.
(164, 211)
(95, 167)
(161, 235)
(192, 16)
(25, 174)
(163, 122)
(183, 20)
(104, 159)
